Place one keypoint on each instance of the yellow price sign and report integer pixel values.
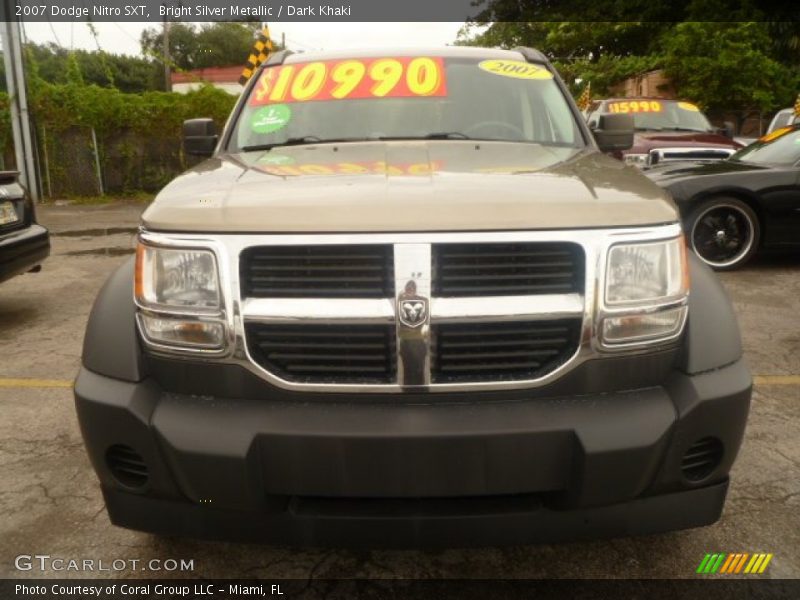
(635, 106)
(515, 68)
(775, 134)
(401, 77)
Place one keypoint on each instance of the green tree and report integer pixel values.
(74, 74)
(605, 72)
(785, 37)
(730, 65)
(575, 40)
(589, 30)
(219, 44)
(52, 63)
(224, 44)
(727, 65)
(183, 46)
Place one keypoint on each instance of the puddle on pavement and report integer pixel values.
(94, 232)
(116, 251)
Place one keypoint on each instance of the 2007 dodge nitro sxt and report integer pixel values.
(408, 300)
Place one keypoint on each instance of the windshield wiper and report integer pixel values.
(292, 141)
(313, 139)
(299, 141)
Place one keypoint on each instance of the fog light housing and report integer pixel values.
(189, 333)
(127, 466)
(702, 458)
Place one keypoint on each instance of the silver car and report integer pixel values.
(783, 118)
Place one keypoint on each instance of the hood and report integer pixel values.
(408, 186)
(644, 141)
(671, 172)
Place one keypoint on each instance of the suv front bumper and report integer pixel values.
(355, 473)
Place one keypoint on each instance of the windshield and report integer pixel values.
(781, 147)
(405, 97)
(782, 119)
(662, 115)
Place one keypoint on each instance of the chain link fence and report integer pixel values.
(77, 162)
(90, 140)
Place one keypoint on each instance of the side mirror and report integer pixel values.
(199, 137)
(614, 132)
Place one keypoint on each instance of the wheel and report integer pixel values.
(724, 233)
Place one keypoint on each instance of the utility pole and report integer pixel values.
(167, 60)
(18, 98)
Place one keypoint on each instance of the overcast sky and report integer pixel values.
(123, 38)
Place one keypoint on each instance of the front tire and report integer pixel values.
(724, 233)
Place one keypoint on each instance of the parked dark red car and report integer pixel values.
(667, 130)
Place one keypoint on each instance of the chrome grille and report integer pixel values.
(317, 272)
(411, 313)
(507, 269)
(501, 351)
(414, 315)
(689, 153)
(325, 353)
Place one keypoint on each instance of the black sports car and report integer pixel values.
(732, 208)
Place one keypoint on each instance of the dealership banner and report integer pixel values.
(396, 589)
(369, 10)
(238, 10)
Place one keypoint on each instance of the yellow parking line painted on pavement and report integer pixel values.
(776, 379)
(35, 383)
(789, 380)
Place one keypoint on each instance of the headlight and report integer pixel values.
(178, 294)
(172, 278)
(637, 160)
(646, 289)
(646, 273)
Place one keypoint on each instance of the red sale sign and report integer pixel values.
(401, 77)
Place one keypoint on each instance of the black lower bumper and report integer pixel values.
(409, 524)
(394, 474)
(22, 250)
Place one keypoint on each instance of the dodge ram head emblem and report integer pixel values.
(412, 312)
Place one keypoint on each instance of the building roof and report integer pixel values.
(212, 75)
